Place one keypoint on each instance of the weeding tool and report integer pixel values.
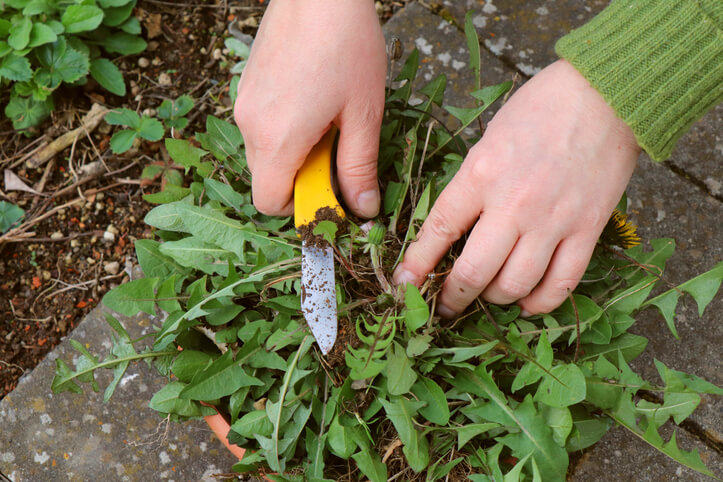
(312, 192)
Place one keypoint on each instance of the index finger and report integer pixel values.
(454, 212)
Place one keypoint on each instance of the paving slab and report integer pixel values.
(47, 437)
(622, 457)
(443, 50)
(521, 32)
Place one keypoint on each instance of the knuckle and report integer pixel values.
(439, 226)
(513, 289)
(468, 274)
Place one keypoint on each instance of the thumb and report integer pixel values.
(356, 161)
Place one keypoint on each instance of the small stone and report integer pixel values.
(156, 62)
(68, 260)
(90, 260)
(203, 50)
(112, 229)
(143, 62)
(57, 235)
(108, 236)
(99, 206)
(150, 112)
(164, 79)
(100, 196)
(135, 90)
(112, 267)
(74, 243)
(152, 45)
(217, 54)
(46, 275)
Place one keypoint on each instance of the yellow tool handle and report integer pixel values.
(312, 187)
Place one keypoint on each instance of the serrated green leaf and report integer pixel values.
(15, 67)
(223, 377)
(562, 387)
(399, 372)
(534, 435)
(150, 129)
(192, 252)
(437, 408)
(214, 227)
(488, 95)
(108, 76)
(26, 112)
(586, 430)
(170, 193)
(416, 448)
(531, 371)
(326, 229)
(166, 217)
(465, 433)
(418, 344)
(81, 18)
(167, 400)
(253, 423)
(63, 379)
(416, 311)
(133, 297)
(560, 421)
(123, 117)
(184, 153)
(223, 139)
(188, 363)
(630, 345)
(154, 263)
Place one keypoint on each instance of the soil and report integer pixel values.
(79, 238)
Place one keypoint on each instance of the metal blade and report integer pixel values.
(318, 294)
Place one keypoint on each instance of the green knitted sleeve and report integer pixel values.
(658, 63)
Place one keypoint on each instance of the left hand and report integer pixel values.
(538, 189)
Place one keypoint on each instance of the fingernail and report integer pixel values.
(525, 314)
(402, 276)
(368, 203)
(445, 312)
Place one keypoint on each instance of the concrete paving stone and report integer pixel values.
(663, 204)
(47, 437)
(700, 151)
(443, 50)
(620, 456)
(521, 32)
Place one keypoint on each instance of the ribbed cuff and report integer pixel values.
(656, 62)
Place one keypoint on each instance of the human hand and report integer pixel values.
(539, 188)
(313, 64)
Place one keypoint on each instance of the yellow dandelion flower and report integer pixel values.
(620, 232)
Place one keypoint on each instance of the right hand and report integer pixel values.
(313, 64)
